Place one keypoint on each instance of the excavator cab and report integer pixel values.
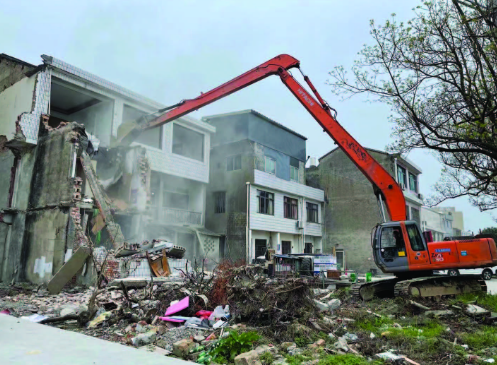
(398, 246)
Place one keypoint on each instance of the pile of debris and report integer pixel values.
(239, 315)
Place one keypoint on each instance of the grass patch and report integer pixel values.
(488, 301)
(430, 329)
(373, 324)
(485, 337)
(347, 359)
(306, 355)
(267, 358)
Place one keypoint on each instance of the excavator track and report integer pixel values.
(438, 286)
(431, 286)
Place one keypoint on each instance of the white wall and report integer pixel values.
(15, 100)
(97, 120)
(167, 162)
(277, 222)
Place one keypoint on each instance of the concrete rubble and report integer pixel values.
(264, 320)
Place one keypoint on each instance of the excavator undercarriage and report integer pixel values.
(424, 287)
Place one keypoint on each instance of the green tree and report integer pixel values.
(490, 231)
(438, 72)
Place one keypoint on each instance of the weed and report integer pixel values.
(301, 341)
(233, 345)
(488, 301)
(347, 359)
(373, 324)
(267, 358)
(483, 338)
(431, 329)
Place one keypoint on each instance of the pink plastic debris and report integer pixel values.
(5, 311)
(175, 308)
(169, 319)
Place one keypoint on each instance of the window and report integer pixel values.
(312, 212)
(415, 238)
(220, 202)
(291, 208)
(401, 176)
(294, 173)
(286, 247)
(392, 243)
(188, 143)
(413, 182)
(176, 200)
(266, 202)
(234, 163)
(308, 247)
(270, 165)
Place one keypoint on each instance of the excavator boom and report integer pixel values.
(384, 184)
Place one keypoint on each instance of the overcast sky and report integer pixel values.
(172, 50)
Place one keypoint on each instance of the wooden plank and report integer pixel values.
(68, 270)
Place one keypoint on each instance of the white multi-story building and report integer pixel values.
(257, 192)
(443, 222)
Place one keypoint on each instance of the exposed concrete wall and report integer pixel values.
(6, 163)
(97, 120)
(11, 72)
(232, 223)
(351, 210)
(15, 100)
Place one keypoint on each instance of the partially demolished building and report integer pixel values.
(156, 187)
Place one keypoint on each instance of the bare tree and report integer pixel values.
(438, 72)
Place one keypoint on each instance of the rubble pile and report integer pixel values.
(258, 300)
(261, 321)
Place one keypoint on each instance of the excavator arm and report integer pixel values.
(384, 185)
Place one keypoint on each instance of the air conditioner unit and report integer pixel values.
(420, 196)
(299, 225)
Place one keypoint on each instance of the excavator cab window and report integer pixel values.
(392, 243)
(415, 238)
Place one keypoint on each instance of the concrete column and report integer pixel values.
(117, 116)
(250, 250)
(278, 243)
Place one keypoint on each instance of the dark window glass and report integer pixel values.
(413, 182)
(312, 212)
(266, 202)
(291, 208)
(401, 175)
(415, 238)
(220, 202)
(188, 143)
(392, 243)
(286, 247)
(308, 247)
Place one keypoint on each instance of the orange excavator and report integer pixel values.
(398, 246)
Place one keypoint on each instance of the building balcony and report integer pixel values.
(164, 215)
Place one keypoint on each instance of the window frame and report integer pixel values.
(173, 145)
(415, 180)
(288, 207)
(296, 169)
(404, 170)
(218, 209)
(266, 158)
(233, 161)
(265, 201)
(308, 210)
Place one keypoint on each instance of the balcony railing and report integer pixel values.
(175, 216)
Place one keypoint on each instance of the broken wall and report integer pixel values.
(14, 101)
(12, 70)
